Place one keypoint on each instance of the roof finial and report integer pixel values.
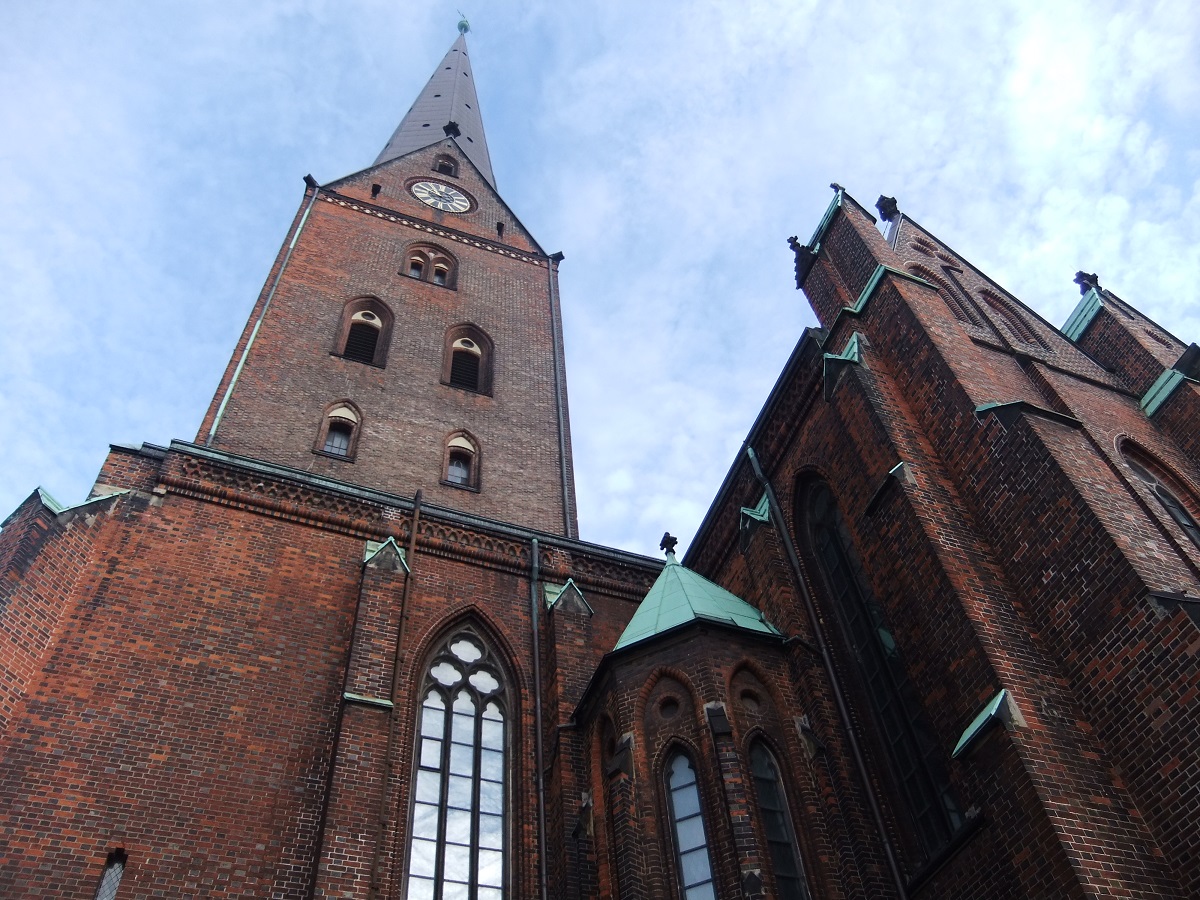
(1087, 281)
(668, 543)
(463, 25)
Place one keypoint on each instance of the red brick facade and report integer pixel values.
(217, 664)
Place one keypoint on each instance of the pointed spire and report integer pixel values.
(447, 107)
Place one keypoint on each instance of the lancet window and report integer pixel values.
(908, 742)
(687, 829)
(458, 833)
(777, 824)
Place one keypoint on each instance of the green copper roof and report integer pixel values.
(1083, 315)
(680, 596)
(1162, 389)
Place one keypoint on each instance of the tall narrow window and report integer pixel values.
(687, 828)
(416, 267)
(777, 825)
(110, 880)
(458, 835)
(911, 749)
(1158, 482)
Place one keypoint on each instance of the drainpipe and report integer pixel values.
(558, 391)
(827, 660)
(316, 189)
(534, 604)
(397, 656)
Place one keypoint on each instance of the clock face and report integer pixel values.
(441, 196)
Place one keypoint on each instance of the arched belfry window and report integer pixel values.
(458, 834)
(445, 164)
(467, 359)
(777, 824)
(365, 331)
(1167, 489)
(687, 830)
(339, 432)
(908, 742)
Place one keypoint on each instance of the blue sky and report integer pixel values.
(152, 157)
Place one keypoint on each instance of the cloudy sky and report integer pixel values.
(151, 157)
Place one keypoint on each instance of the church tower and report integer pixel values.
(408, 336)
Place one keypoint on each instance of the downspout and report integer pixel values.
(397, 656)
(311, 183)
(558, 391)
(827, 660)
(534, 604)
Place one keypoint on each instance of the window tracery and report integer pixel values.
(458, 835)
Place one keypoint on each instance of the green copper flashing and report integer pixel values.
(374, 548)
(826, 221)
(1008, 411)
(680, 596)
(556, 593)
(760, 512)
(367, 701)
(57, 509)
(852, 351)
(1162, 389)
(49, 502)
(989, 714)
(874, 281)
(1084, 313)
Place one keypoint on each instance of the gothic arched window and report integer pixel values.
(908, 742)
(461, 462)
(428, 263)
(687, 829)
(1161, 483)
(777, 824)
(339, 432)
(467, 359)
(458, 835)
(365, 331)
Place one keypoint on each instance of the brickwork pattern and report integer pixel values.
(293, 373)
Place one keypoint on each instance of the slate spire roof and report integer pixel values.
(447, 106)
(679, 596)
